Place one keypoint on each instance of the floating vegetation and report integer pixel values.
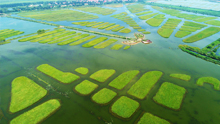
(147, 16)
(126, 47)
(104, 96)
(142, 87)
(149, 118)
(136, 8)
(67, 15)
(156, 21)
(181, 76)
(125, 30)
(6, 33)
(24, 92)
(123, 79)
(213, 81)
(117, 47)
(102, 75)
(73, 39)
(170, 95)
(82, 70)
(64, 38)
(63, 77)
(124, 107)
(86, 87)
(33, 117)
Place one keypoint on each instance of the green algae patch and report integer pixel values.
(181, 76)
(165, 32)
(123, 79)
(116, 47)
(105, 44)
(215, 82)
(82, 70)
(201, 35)
(102, 75)
(124, 107)
(63, 77)
(149, 118)
(142, 87)
(126, 47)
(38, 114)
(24, 93)
(94, 42)
(104, 96)
(85, 87)
(155, 22)
(181, 34)
(170, 95)
(125, 30)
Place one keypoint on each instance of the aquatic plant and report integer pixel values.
(86, 87)
(104, 96)
(102, 75)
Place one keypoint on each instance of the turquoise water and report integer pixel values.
(200, 105)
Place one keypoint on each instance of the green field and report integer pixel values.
(97, 10)
(142, 87)
(33, 117)
(124, 107)
(67, 15)
(86, 87)
(204, 19)
(181, 76)
(94, 42)
(73, 39)
(123, 79)
(126, 47)
(24, 92)
(181, 34)
(201, 35)
(64, 38)
(136, 8)
(165, 32)
(148, 118)
(213, 81)
(143, 13)
(105, 44)
(82, 70)
(63, 77)
(6, 33)
(116, 47)
(125, 30)
(170, 95)
(102, 75)
(155, 22)
(104, 96)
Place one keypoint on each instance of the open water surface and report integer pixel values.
(200, 105)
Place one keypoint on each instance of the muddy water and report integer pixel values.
(200, 105)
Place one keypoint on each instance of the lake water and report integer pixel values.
(200, 105)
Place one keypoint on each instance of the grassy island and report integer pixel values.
(201, 35)
(63, 77)
(105, 44)
(124, 107)
(148, 118)
(125, 30)
(170, 95)
(94, 42)
(82, 40)
(33, 117)
(102, 75)
(104, 96)
(181, 76)
(167, 29)
(156, 21)
(142, 87)
(67, 15)
(213, 81)
(126, 47)
(82, 70)
(73, 39)
(24, 92)
(86, 87)
(116, 47)
(123, 79)
(64, 38)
